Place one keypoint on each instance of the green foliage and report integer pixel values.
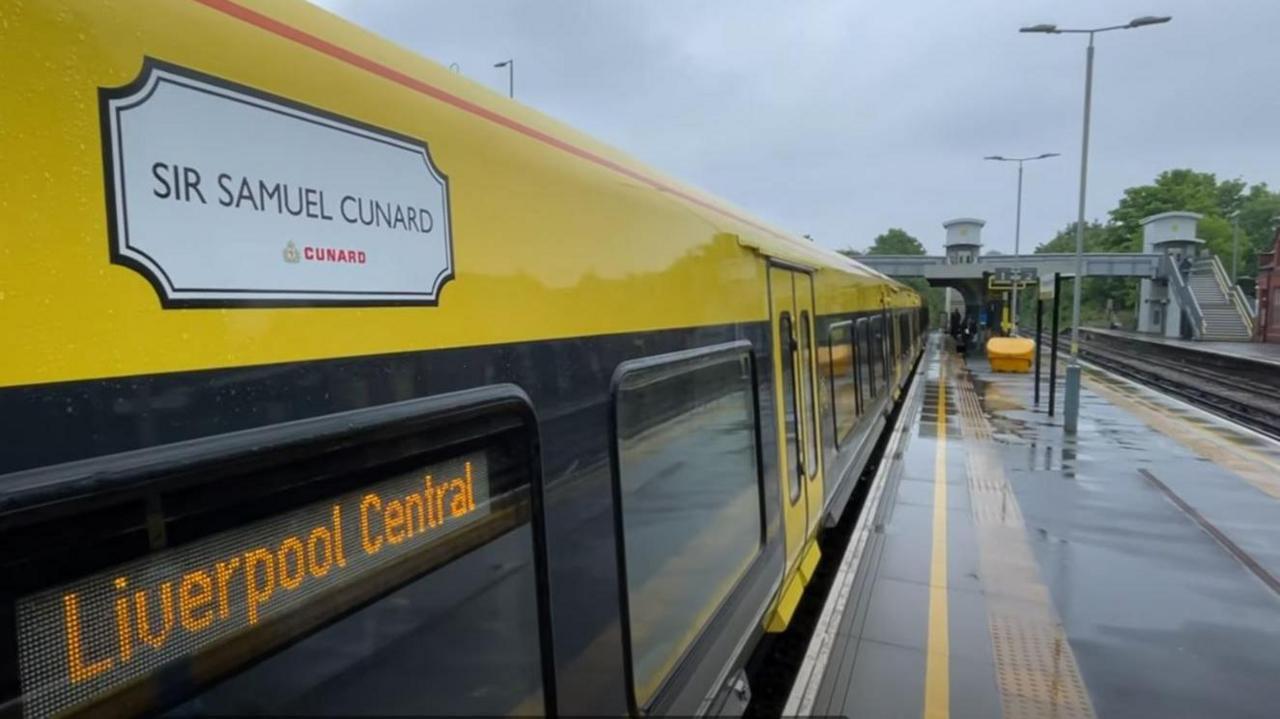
(1179, 189)
(1259, 209)
(895, 241)
(1173, 190)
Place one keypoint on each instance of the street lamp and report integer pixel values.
(1017, 227)
(1072, 393)
(511, 75)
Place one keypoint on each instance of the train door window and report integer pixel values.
(382, 561)
(789, 410)
(844, 394)
(688, 492)
(807, 392)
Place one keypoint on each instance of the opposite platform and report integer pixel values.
(1268, 352)
(1010, 570)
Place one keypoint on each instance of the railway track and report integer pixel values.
(1235, 388)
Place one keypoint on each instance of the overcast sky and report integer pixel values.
(842, 119)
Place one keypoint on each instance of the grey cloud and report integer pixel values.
(841, 119)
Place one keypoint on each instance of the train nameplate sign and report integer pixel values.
(223, 195)
(81, 642)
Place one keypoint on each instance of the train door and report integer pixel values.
(794, 395)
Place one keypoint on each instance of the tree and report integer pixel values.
(1173, 190)
(1259, 208)
(895, 241)
(1201, 192)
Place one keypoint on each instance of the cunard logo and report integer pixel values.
(291, 254)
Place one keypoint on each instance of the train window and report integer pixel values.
(856, 365)
(687, 494)
(878, 354)
(807, 392)
(844, 383)
(866, 368)
(787, 340)
(381, 561)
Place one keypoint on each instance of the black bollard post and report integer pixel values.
(1039, 319)
(1053, 342)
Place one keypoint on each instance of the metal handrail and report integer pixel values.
(1232, 292)
(1246, 308)
(1186, 298)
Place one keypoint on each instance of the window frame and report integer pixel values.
(808, 362)
(743, 348)
(840, 438)
(864, 350)
(793, 447)
(875, 352)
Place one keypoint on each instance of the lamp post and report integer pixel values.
(510, 64)
(1071, 395)
(1017, 226)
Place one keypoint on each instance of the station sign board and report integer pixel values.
(1009, 278)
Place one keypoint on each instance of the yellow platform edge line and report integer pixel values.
(937, 677)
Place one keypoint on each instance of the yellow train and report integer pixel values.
(334, 383)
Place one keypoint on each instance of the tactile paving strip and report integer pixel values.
(1036, 671)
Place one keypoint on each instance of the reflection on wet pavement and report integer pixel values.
(1036, 670)
(1162, 618)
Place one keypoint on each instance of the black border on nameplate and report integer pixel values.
(164, 286)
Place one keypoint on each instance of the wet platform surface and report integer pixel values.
(1257, 351)
(1008, 570)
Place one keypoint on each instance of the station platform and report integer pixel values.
(1268, 352)
(1001, 568)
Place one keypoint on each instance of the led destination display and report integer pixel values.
(82, 640)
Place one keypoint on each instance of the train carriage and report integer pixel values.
(334, 383)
